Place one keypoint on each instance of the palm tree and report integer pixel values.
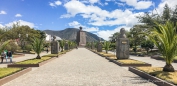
(70, 44)
(106, 45)
(37, 46)
(62, 43)
(165, 38)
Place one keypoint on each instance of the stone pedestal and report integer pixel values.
(66, 46)
(92, 45)
(122, 46)
(81, 38)
(99, 47)
(54, 47)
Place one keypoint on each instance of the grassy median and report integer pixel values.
(33, 61)
(8, 71)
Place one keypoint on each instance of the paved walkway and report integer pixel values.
(21, 58)
(80, 67)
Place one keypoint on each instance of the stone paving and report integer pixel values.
(80, 67)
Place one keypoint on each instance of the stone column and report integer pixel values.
(54, 46)
(122, 46)
(99, 47)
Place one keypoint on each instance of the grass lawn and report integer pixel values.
(130, 61)
(157, 72)
(33, 61)
(8, 71)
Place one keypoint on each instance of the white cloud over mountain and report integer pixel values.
(76, 24)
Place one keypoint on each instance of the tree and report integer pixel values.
(147, 45)
(106, 45)
(165, 38)
(166, 13)
(137, 36)
(3, 45)
(38, 46)
(62, 43)
(70, 44)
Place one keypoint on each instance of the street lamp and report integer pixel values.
(23, 42)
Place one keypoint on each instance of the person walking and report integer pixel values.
(3, 55)
(47, 50)
(9, 55)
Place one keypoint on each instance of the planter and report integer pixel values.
(150, 78)
(127, 65)
(13, 76)
(30, 65)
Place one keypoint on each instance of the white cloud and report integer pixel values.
(76, 24)
(54, 4)
(99, 17)
(93, 1)
(106, 3)
(2, 12)
(21, 22)
(171, 3)
(1, 26)
(18, 15)
(105, 34)
(138, 4)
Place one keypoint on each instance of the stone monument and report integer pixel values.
(81, 38)
(92, 45)
(54, 46)
(66, 46)
(122, 45)
(99, 47)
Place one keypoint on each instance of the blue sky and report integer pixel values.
(101, 17)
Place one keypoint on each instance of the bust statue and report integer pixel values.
(122, 33)
(53, 38)
(80, 28)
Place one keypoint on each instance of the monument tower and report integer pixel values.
(81, 38)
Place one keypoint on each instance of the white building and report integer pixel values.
(49, 37)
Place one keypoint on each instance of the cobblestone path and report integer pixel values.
(80, 67)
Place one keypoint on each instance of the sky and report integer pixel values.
(100, 17)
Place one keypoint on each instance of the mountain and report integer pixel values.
(70, 34)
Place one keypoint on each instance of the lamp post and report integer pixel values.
(22, 42)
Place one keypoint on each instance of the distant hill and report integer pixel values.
(70, 34)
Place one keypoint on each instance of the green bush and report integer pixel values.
(28, 47)
(11, 46)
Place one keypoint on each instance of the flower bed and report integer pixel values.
(156, 75)
(8, 74)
